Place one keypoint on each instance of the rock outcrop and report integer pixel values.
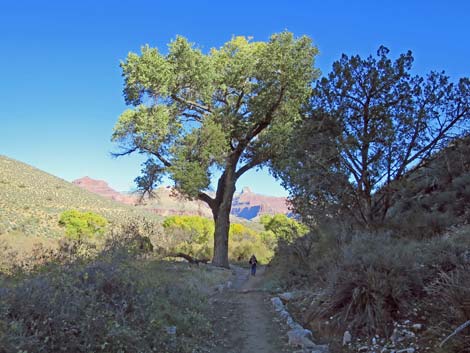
(102, 188)
(249, 205)
(166, 202)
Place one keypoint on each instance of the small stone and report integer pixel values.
(287, 296)
(347, 338)
(394, 336)
(299, 337)
(228, 285)
(363, 349)
(277, 303)
(320, 349)
(294, 325)
(417, 327)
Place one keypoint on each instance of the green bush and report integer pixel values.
(194, 235)
(283, 227)
(82, 225)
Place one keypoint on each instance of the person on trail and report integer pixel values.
(253, 261)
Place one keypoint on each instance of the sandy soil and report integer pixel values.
(244, 319)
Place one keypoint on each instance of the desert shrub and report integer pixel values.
(82, 225)
(365, 282)
(453, 288)
(374, 279)
(99, 306)
(449, 296)
(137, 235)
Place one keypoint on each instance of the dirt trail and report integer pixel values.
(244, 320)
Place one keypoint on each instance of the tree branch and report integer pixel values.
(207, 199)
(431, 145)
(269, 117)
(125, 153)
(192, 116)
(196, 105)
(251, 164)
(162, 159)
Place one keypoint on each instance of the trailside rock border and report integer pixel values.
(298, 336)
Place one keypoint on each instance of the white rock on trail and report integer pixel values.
(298, 337)
(287, 296)
(277, 303)
(292, 324)
(347, 338)
(284, 314)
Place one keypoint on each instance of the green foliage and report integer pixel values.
(230, 109)
(368, 122)
(81, 225)
(283, 227)
(194, 235)
(194, 110)
(246, 242)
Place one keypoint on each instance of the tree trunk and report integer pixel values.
(221, 213)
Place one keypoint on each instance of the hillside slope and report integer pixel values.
(437, 195)
(31, 201)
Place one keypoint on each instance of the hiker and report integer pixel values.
(253, 261)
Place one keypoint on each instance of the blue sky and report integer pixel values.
(60, 83)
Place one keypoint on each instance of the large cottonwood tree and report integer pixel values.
(228, 110)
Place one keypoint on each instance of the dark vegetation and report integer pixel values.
(93, 301)
(379, 169)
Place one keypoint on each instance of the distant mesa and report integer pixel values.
(102, 188)
(246, 204)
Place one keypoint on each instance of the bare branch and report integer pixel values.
(125, 153)
(251, 164)
(207, 199)
(196, 117)
(192, 104)
(457, 330)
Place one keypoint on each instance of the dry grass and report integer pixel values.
(97, 303)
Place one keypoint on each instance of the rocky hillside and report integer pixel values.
(32, 200)
(247, 204)
(435, 196)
